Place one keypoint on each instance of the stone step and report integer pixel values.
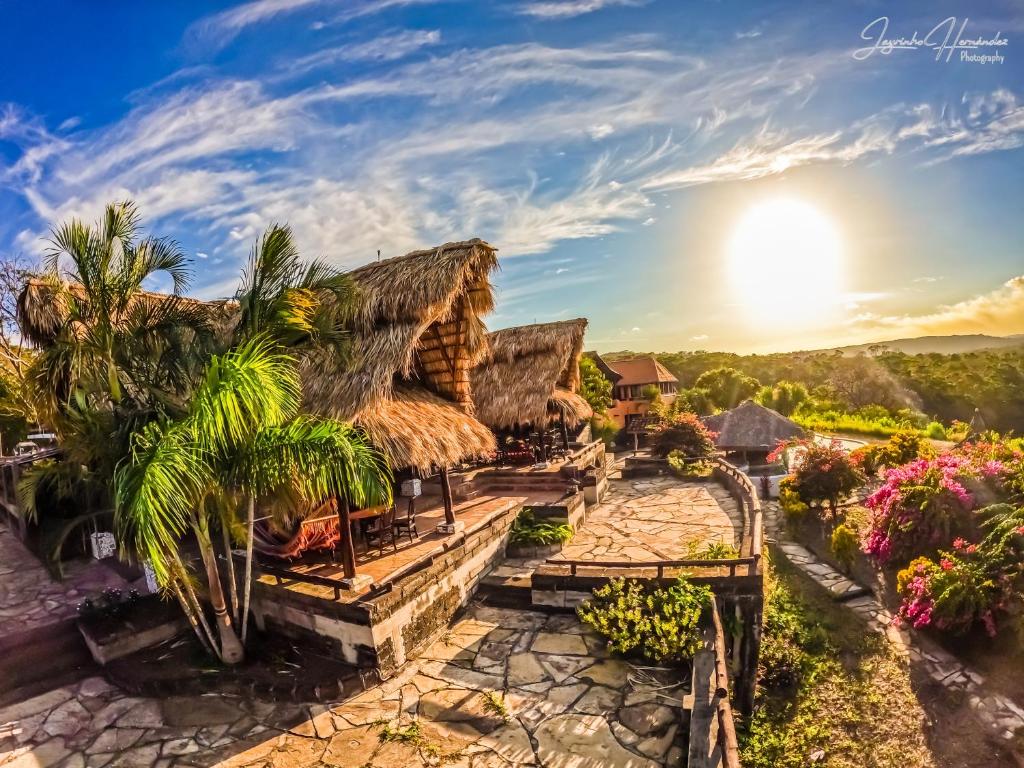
(506, 591)
(42, 659)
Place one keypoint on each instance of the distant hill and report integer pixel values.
(943, 345)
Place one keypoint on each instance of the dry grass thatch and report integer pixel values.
(419, 318)
(416, 336)
(528, 372)
(751, 427)
(43, 307)
(416, 428)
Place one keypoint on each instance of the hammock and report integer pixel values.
(313, 534)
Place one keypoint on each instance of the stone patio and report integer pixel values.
(656, 518)
(31, 598)
(501, 688)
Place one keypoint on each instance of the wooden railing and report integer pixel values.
(750, 543)
(726, 721)
(11, 468)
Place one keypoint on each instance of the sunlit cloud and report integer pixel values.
(998, 313)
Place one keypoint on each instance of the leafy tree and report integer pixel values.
(727, 387)
(594, 387)
(241, 437)
(784, 396)
(824, 474)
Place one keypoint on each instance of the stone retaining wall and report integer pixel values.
(383, 630)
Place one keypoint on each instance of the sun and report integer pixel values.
(785, 263)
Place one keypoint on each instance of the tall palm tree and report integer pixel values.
(241, 437)
(111, 356)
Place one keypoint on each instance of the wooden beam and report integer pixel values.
(348, 552)
(446, 497)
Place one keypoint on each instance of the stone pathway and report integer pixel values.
(502, 688)
(997, 713)
(30, 598)
(656, 518)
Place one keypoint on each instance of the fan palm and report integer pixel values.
(241, 437)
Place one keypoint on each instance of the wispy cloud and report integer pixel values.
(389, 47)
(566, 9)
(219, 29)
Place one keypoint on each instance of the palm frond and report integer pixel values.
(244, 390)
(156, 492)
(312, 459)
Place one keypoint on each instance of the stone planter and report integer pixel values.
(149, 622)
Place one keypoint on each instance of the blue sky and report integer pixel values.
(608, 148)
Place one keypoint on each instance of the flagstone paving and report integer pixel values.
(502, 688)
(31, 598)
(656, 518)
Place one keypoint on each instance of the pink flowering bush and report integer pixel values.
(823, 473)
(974, 583)
(920, 506)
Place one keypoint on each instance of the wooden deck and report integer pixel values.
(382, 568)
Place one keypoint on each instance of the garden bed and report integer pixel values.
(132, 626)
(275, 669)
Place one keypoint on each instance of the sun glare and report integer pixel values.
(785, 260)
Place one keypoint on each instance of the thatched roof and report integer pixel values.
(751, 427)
(418, 327)
(42, 307)
(419, 319)
(528, 372)
(416, 428)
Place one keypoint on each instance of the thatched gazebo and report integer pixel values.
(416, 336)
(530, 375)
(751, 430)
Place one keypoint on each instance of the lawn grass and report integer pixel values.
(834, 694)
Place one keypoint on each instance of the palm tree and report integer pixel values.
(111, 358)
(111, 339)
(241, 437)
(301, 306)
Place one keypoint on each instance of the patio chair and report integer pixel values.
(383, 532)
(407, 523)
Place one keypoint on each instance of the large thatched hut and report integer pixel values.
(751, 430)
(530, 375)
(416, 337)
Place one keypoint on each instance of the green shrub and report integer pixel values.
(714, 551)
(845, 545)
(658, 624)
(689, 468)
(686, 434)
(790, 501)
(527, 531)
(935, 431)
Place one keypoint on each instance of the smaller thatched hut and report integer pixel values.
(530, 375)
(752, 430)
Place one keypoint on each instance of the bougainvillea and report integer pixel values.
(953, 593)
(919, 507)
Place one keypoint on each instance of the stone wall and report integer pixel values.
(393, 622)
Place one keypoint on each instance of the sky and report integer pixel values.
(708, 174)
